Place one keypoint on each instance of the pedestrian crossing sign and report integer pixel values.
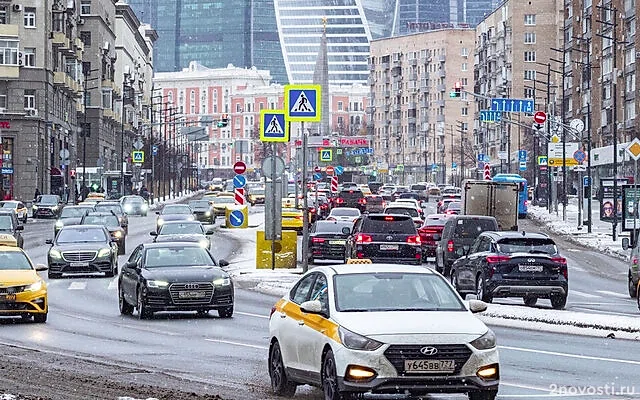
(137, 156)
(273, 126)
(326, 155)
(302, 103)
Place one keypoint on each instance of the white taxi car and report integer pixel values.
(380, 328)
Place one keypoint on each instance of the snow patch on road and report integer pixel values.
(8, 397)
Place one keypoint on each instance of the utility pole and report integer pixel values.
(564, 131)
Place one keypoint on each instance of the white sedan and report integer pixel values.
(344, 214)
(380, 328)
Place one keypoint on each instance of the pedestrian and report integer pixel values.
(37, 194)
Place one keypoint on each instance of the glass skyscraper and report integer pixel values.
(421, 15)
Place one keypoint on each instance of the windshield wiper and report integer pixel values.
(354, 310)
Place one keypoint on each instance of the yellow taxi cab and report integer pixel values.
(22, 291)
(226, 194)
(220, 204)
(292, 218)
(256, 196)
(96, 196)
(365, 190)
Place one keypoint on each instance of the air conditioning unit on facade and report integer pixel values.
(81, 21)
(31, 112)
(17, 7)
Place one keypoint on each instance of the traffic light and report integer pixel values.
(457, 90)
(72, 173)
(224, 121)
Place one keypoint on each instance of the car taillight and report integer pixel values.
(323, 207)
(634, 261)
(450, 246)
(414, 239)
(312, 210)
(491, 271)
(384, 204)
(339, 200)
(317, 240)
(450, 212)
(331, 219)
(273, 309)
(362, 201)
(559, 260)
(497, 259)
(388, 218)
(363, 238)
(300, 217)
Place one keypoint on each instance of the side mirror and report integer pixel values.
(211, 231)
(626, 244)
(49, 241)
(311, 307)
(41, 267)
(437, 237)
(114, 240)
(477, 306)
(153, 233)
(346, 230)
(158, 212)
(223, 263)
(20, 227)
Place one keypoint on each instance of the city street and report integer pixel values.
(87, 345)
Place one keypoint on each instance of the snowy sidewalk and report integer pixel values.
(174, 198)
(600, 239)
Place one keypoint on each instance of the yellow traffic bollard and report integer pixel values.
(286, 251)
(237, 217)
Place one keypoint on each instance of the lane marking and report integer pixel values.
(77, 285)
(253, 346)
(521, 386)
(614, 294)
(583, 294)
(113, 284)
(568, 355)
(253, 315)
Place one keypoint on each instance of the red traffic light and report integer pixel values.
(458, 85)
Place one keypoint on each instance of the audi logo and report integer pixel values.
(429, 351)
(192, 286)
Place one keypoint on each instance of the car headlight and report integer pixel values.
(34, 287)
(144, 207)
(204, 244)
(485, 342)
(353, 341)
(54, 208)
(190, 218)
(104, 252)
(59, 224)
(157, 284)
(160, 221)
(222, 282)
(128, 208)
(35, 207)
(208, 213)
(117, 234)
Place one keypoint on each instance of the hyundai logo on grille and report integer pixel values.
(192, 286)
(428, 351)
(531, 260)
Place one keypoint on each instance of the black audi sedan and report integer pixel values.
(110, 221)
(203, 211)
(174, 276)
(82, 249)
(174, 212)
(183, 231)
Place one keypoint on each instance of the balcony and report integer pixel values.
(440, 118)
(412, 106)
(108, 113)
(9, 30)
(413, 61)
(59, 78)
(385, 66)
(439, 103)
(442, 73)
(442, 58)
(442, 88)
(424, 103)
(59, 39)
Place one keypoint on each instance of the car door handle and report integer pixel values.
(301, 323)
(283, 315)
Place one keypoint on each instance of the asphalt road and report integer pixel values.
(228, 357)
(597, 282)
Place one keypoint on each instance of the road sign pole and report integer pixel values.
(305, 205)
(635, 202)
(274, 199)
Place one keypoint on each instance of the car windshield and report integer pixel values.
(14, 260)
(527, 245)
(81, 235)
(109, 207)
(181, 229)
(454, 205)
(472, 228)
(6, 223)
(199, 204)
(412, 212)
(133, 200)
(331, 227)
(176, 209)
(223, 200)
(389, 224)
(345, 212)
(110, 221)
(47, 199)
(259, 192)
(73, 212)
(9, 204)
(176, 256)
(394, 291)
(351, 194)
(435, 221)
(418, 187)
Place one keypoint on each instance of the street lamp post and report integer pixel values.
(122, 162)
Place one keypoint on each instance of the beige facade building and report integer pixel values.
(513, 55)
(415, 123)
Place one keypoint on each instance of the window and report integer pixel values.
(529, 38)
(631, 82)
(29, 17)
(529, 56)
(319, 292)
(340, 106)
(106, 98)
(464, 52)
(606, 91)
(607, 65)
(629, 110)
(463, 67)
(29, 57)
(529, 93)
(4, 15)
(29, 99)
(85, 36)
(529, 75)
(9, 52)
(630, 56)
(3, 101)
(529, 19)
(85, 7)
(465, 111)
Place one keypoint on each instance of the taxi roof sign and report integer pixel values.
(359, 261)
(8, 240)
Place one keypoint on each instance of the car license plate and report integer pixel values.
(191, 295)
(432, 366)
(338, 242)
(7, 298)
(388, 247)
(79, 264)
(530, 268)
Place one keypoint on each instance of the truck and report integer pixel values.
(494, 199)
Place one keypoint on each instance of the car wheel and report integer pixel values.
(558, 302)
(280, 384)
(481, 290)
(143, 310)
(125, 308)
(225, 312)
(40, 318)
(530, 301)
(484, 395)
(638, 296)
(121, 248)
(633, 292)
(329, 378)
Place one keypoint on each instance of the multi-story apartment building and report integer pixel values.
(514, 53)
(415, 122)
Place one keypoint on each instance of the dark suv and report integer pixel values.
(10, 225)
(511, 264)
(384, 238)
(458, 235)
(353, 198)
